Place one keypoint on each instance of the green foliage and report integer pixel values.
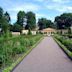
(13, 47)
(31, 20)
(5, 25)
(67, 42)
(29, 32)
(7, 16)
(16, 28)
(63, 21)
(4, 21)
(44, 23)
(20, 18)
(1, 12)
(69, 30)
(7, 34)
(68, 35)
(69, 53)
(10, 68)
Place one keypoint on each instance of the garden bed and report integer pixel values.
(64, 47)
(14, 50)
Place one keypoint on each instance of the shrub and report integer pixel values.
(65, 41)
(29, 32)
(31, 42)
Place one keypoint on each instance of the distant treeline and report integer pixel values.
(28, 21)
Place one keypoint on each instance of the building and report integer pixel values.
(0, 29)
(48, 31)
(62, 31)
(26, 32)
(71, 28)
(15, 33)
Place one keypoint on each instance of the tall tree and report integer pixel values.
(20, 18)
(31, 20)
(3, 22)
(5, 25)
(16, 27)
(64, 20)
(44, 23)
(1, 15)
(49, 23)
(7, 16)
(1, 12)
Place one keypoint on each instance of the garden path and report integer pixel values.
(46, 57)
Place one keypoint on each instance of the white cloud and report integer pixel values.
(13, 16)
(25, 7)
(41, 0)
(39, 15)
(60, 8)
(55, 5)
(54, 1)
(69, 8)
(13, 10)
(61, 1)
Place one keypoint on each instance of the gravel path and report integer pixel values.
(46, 57)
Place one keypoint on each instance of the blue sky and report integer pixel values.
(42, 8)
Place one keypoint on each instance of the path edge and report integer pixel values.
(64, 48)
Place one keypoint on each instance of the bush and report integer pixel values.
(29, 32)
(66, 42)
(32, 42)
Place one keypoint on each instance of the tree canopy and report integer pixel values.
(64, 20)
(4, 20)
(1, 12)
(44, 23)
(16, 28)
(20, 18)
(7, 16)
(31, 20)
